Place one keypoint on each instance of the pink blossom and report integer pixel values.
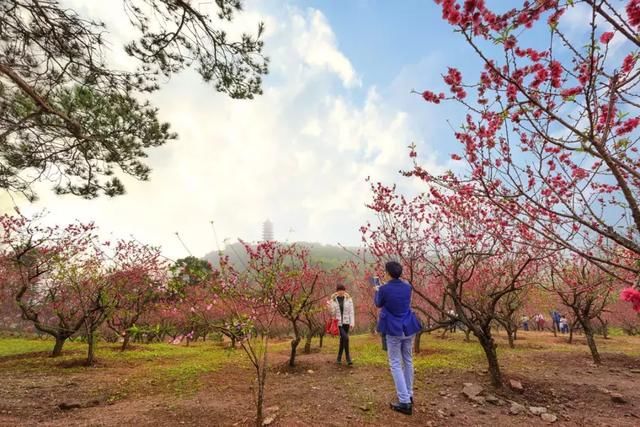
(631, 295)
(605, 38)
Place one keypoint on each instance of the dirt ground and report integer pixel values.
(320, 393)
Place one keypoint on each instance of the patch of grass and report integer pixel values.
(148, 368)
(16, 346)
(194, 361)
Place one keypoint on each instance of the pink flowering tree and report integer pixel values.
(316, 316)
(50, 267)
(289, 286)
(138, 280)
(464, 247)
(585, 290)
(82, 282)
(249, 311)
(551, 132)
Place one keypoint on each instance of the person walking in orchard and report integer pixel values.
(341, 308)
(399, 324)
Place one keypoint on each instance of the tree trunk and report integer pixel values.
(321, 339)
(294, 347)
(489, 347)
(467, 334)
(261, 370)
(91, 340)
(418, 338)
(307, 344)
(511, 338)
(591, 342)
(605, 328)
(571, 334)
(57, 348)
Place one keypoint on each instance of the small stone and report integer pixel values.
(516, 386)
(550, 418)
(478, 399)
(269, 420)
(490, 398)
(271, 409)
(635, 371)
(537, 410)
(365, 408)
(442, 393)
(472, 390)
(618, 398)
(516, 409)
(310, 371)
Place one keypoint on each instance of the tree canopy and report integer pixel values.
(69, 117)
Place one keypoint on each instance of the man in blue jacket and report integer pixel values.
(399, 324)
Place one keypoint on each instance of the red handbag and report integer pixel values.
(332, 327)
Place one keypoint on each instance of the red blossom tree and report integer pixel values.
(464, 247)
(584, 289)
(139, 278)
(54, 276)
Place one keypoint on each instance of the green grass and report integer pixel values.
(156, 367)
(16, 346)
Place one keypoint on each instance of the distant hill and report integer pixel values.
(329, 256)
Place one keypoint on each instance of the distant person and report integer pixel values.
(452, 319)
(540, 322)
(564, 325)
(399, 324)
(525, 322)
(341, 308)
(555, 318)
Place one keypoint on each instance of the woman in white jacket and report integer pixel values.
(341, 307)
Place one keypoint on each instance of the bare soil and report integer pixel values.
(318, 392)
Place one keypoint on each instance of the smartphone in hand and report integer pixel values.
(374, 281)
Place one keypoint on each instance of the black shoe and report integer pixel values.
(404, 408)
(339, 362)
(349, 362)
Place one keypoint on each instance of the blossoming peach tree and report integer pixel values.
(470, 257)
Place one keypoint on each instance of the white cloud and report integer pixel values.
(315, 43)
(298, 155)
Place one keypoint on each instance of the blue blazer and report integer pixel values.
(396, 317)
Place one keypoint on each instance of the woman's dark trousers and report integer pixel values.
(344, 343)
